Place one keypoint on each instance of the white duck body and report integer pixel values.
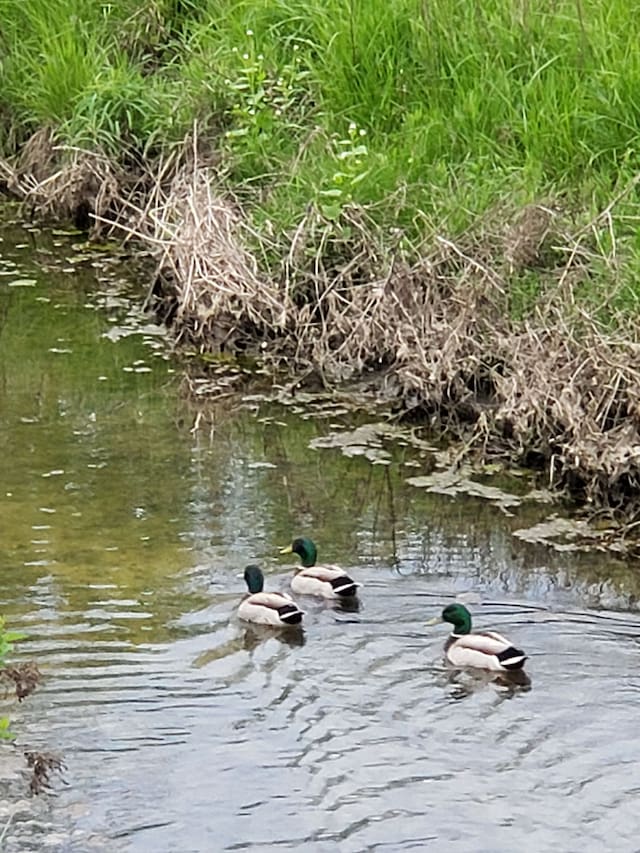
(323, 582)
(486, 650)
(482, 650)
(270, 608)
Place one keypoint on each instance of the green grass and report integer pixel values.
(7, 639)
(458, 107)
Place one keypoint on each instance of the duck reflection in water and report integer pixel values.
(347, 605)
(463, 683)
(255, 634)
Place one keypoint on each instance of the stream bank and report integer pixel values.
(432, 339)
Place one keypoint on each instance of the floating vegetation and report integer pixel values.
(575, 534)
(364, 441)
(454, 483)
(22, 282)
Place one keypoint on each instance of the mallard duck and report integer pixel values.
(323, 581)
(267, 608)
(485, 650)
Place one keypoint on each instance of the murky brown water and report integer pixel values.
(122, 534)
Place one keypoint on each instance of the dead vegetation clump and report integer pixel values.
(42, 765)
(334, 292)
(526, 239)
(55, 180)
(207, 282)
(566, 405)
(25, 676)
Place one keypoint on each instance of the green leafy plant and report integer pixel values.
(267, 100)
(7, 639)
(351, 157)
(122, 108)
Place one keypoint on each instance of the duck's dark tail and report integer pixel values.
(290, 614)
(512, 658)
(344, 586)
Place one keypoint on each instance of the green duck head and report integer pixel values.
(254, 578)
(459, 617)
(305, 549)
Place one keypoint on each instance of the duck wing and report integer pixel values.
(270, 599)
(323, 573)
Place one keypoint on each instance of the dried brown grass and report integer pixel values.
(197, 234)
(57, 180)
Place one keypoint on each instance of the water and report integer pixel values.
(183, 730)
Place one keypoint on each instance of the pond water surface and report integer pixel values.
(123, 531)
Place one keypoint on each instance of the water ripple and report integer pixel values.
(351, 737)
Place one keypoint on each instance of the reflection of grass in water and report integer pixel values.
(90, 467)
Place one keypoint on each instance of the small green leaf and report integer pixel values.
(241, 131)
(331, 211)
(14, 636)
(357, 178)
(5, 732)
